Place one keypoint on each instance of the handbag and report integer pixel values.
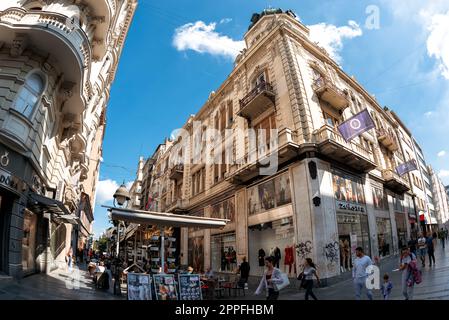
(285, 282)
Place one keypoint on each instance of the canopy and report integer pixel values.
(42, 204)
(165, 219)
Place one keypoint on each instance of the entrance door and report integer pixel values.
(6, 203)
(29, 242)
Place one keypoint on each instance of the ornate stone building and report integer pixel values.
(57, 62)
(325, 197)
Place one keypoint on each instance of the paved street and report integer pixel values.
(435, 285)
(54, 286)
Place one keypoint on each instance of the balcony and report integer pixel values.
(387, 139)
(327, 91)
(254, 162)
(258, 100)
(177, 172)
(178, 206)
(394, 182)
(331, 144)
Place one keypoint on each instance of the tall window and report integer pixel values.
(29, 94)
(330, 120)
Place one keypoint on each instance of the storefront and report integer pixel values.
(401, 223)
(6, 203)
(223, 252)
(29, 242)
(352, 220)
(270, 224)
(275, 239)
(383, 221)
(196, 253)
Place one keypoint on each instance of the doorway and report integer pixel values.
(6, 203)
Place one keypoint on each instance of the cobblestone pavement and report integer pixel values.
(435, 283)
(55, 286)
(59, 285)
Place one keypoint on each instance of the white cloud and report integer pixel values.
(203, 38)
(225, 20)
(442, 153)
(106, 189)
(443, 174)
(428, 114)
(331, 37)
(438, 41)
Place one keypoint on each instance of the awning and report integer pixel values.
(42, 204)
(165, 219)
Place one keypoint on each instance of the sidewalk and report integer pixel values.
(58, 285)
(435, 284)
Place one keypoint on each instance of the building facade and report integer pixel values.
(441, 199)
(277, 168)
(57, 63)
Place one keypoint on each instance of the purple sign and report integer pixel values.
(356, 125)
(406, 167)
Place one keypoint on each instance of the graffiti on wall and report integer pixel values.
(331, 251)
(304, 249)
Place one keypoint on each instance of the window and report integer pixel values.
(259, 79)
(29, 94)
(266, 125)
(230, 113)
(330, 120)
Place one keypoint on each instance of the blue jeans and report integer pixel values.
(359, 283)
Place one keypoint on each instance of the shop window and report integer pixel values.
(28, 97)
(196, 254)
(223, 253)
(348, 189)
(384, 236)
(270, 194)
(380, 201)
(224, 210)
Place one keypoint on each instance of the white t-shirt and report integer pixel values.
(421, 243)
(360, 265)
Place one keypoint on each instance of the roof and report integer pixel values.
(164, 219)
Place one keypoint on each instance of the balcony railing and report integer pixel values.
(55, 22)
(249, 165)
(332, 144)
(177, 172)
(258, 100)
(394, 181)
(178, 205)
(328, 91)
(387, 139)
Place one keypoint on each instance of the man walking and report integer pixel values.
(360, 275)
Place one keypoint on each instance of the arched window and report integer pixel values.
(29, 94)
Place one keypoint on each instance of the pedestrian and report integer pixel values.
(360, 273)
(69, 259)
(412, 244)
(446, 232)
(270, 278)
(308, 274)
(441, 235)
(387, 286)
(407, 287)
(244, 273)
(431, 243)
(422, 248)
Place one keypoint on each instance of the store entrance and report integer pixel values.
(6, 203)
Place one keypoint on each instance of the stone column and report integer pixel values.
(15, 238)
(394, 229)
(371, 217)
(241, 224)
(206, 232)
(184, 243)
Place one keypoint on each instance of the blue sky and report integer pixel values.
(160, 81)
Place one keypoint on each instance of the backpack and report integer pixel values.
(415, 275)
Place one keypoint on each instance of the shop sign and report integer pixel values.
(343, 205)
(189, 287)
(9, 181)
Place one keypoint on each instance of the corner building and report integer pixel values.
(58, 60)
(327, 196)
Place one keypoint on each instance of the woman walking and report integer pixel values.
(308, 274)
(270, 278)
(407, 286)
(431, 244)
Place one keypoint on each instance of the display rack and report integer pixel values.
(154, 254)
(171, 255)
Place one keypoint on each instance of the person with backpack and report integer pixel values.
(410, 273)
(431, 242)
(271, 277)
(422, 248)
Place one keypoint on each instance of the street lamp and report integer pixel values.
(121, 196)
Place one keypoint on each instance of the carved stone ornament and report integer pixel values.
(4, 159)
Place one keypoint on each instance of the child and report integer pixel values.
(386, 287)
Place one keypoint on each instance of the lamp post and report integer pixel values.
(121, 198)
